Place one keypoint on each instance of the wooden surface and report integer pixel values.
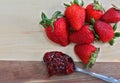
(35, 72)
(22, 38)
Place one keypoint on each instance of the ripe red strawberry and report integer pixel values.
(94, 10)
(104, 31)
(83, 36)
(58, 63)
(112, 15)
(75, 15)
(87, 53)
(56, 28)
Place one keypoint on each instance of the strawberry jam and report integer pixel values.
(58, 63)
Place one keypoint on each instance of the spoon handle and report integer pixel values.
(102, 77)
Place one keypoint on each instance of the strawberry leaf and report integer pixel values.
(53, 19)
(67, 5)
(43, 16)
(93, 58)
(117, 34)
(91, 27)
(44, 20)
(56, 15)
(115, 26)
(92, 21)
(98, 6)
(96, 37)
(95, 34)
(82, 3)
(50, 22)
(43, 24)
(111, 42)
(96, 2)
(76, 2)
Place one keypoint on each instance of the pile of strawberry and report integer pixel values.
(83, 26)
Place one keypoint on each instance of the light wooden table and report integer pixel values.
(22, 38)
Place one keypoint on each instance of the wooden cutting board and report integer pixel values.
(22, 38)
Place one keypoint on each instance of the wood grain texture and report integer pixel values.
(35, 72)
(22, 38)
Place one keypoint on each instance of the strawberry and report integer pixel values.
(94, 10)
(56, 28)
(75, 15)
(83, 36)
(87, 53)
(104, 31)
(112, 15)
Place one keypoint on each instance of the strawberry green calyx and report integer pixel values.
(67, 5)
(75, 2)
(82, 3)
(116, 7)
(92, 20)
(116, 35)
(56, 15)
(49, 22)
(112, 41)
(44, 20)
(115, 26)
(95, 34)
(93, 58)
(98, 6)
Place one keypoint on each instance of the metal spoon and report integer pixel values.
(100, 76)
(54, 57)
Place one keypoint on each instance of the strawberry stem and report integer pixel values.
(93, 58)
